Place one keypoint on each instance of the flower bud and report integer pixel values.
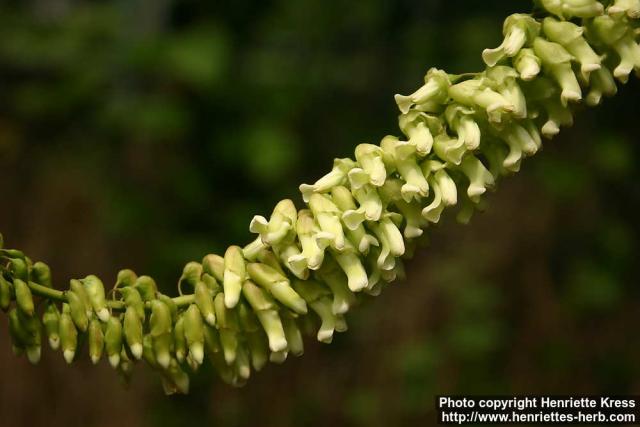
(517, 30)
(618, 36)
(331, 275)
(328, 215)
(242, 363)
(41, 274)
(404, 158)
(444, 193)
(19, 268)
(356, 233)
(51, 322)
(557, 62)
(475, 93)
(174, 379)
(68, 335)
(258, 349)
(126, 278)
(227, 327)
(279, 226)
(95, 292)
(370, 202)
(212, 339)
(24, 299)
(321, 305)
(179, 339)
(601, 84)
(19, 335)
(133, 299)
(463, 123)
(449, 149)
(527, 64)
(204, 301)
(416, 126)
(160, 322)
(78, 288)
(78, 310)
(337, 176)
(133, 332)
(162, 345)
(356, 275)
(113, 340)
(5, 293)
(479, 177)
(147, 288)
(277, 285)
(307, 231)
(570, 36)
(369, 158)
(573, 8)
(502, 79)
(190, 274)
(266, 311)
(293, 335)
(214, 266)
(194, 333)
(631, 8)
(433, 92)
(235, 273)
(414, 221)
(96, 340)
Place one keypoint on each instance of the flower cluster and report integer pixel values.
(306, 268)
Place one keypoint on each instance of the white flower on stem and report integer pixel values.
(556, 61)
(337, 176)
(517, 30)
(430, 96)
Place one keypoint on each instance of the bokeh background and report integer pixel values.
(145, 134)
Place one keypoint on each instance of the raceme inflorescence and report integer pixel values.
(307, 268)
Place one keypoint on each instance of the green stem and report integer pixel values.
(56, 295)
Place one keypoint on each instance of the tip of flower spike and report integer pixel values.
(103, 315)
(68, 356)
(54, 342)
(114, 360)
(180, 355)
(136, 350)
(33, 354)
(95, 359)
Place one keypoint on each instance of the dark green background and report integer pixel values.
(145, 134)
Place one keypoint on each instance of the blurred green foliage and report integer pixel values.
(145, 134)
